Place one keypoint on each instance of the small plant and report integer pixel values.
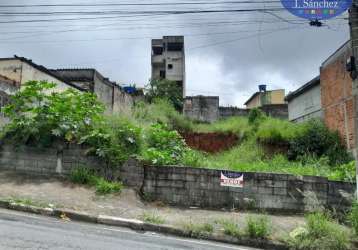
(107, 187)
(82, 175)
(353, 217)
(258, 227)
(152, 218)
(230, 228)
(86, 176)
(320, 233)
(198, 230)
(28, 202)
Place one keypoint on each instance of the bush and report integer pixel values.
(314, 138)
(163, 146)
(113, 139)
(256, 116)
(39, 116)
(320, 233)
(166, 89)
(353, 217)
(258, 227)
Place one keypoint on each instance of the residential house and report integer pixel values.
(305, 102)
(338, 107)
(108, 92)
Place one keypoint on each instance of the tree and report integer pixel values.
(166, 89)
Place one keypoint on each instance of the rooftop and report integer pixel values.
(314, 82)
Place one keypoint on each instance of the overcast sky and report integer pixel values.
(227, 54)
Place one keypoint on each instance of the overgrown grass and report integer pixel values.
(320, 233)
(85, 176)
(258, 227)
(236, 125)
(28, 202)
(152, 218)
(198, 230)
(230, 228)
(353, 217)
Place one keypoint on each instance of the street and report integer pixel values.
(27, 231)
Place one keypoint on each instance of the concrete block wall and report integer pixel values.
(186, 186)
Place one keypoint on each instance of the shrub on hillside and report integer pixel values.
(314, 138)
(163, 146)
(113, 139)
(258, 227)
(163, 112)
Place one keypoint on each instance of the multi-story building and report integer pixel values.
(168, 60)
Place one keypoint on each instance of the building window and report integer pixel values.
(162, 74)
(170, 66)
(157, 50)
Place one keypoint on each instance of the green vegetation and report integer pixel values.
(152, 218)
(85, 176)
(198, 230)
(166, 89)
(150, 131)
(353, 217)
(320, 233)
(28, 202)
(230, 228)
(258, 227)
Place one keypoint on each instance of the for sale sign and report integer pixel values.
(232, 179)
(317, 9)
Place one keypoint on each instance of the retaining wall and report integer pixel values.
(187, 187)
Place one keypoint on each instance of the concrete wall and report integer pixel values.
(185, 186)
(227, 112)
(306, 106)
(104, 92)
(336, 95)
(276, 110)
(202, 108)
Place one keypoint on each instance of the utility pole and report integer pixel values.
(353, 23)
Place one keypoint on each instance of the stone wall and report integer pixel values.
(187, 187)
(210, 142)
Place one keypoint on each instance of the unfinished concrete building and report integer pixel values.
(168, 60)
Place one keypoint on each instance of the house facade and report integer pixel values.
(305, 102)
(266, 97)
(338, 106)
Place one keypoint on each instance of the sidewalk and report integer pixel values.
(52, 192)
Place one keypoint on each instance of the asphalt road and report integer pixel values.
(26, 231)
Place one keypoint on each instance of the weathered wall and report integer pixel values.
(185, 186)
(227, 112)
(336, 95)
(202, 108)
(104, 92)
(276, 110)
(306, 106)
(22, 72)
(210, 142)
(123, 102)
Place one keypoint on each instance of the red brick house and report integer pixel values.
(336, 95)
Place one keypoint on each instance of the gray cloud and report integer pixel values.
(282, 59)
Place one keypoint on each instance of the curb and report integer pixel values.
(137, 225)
